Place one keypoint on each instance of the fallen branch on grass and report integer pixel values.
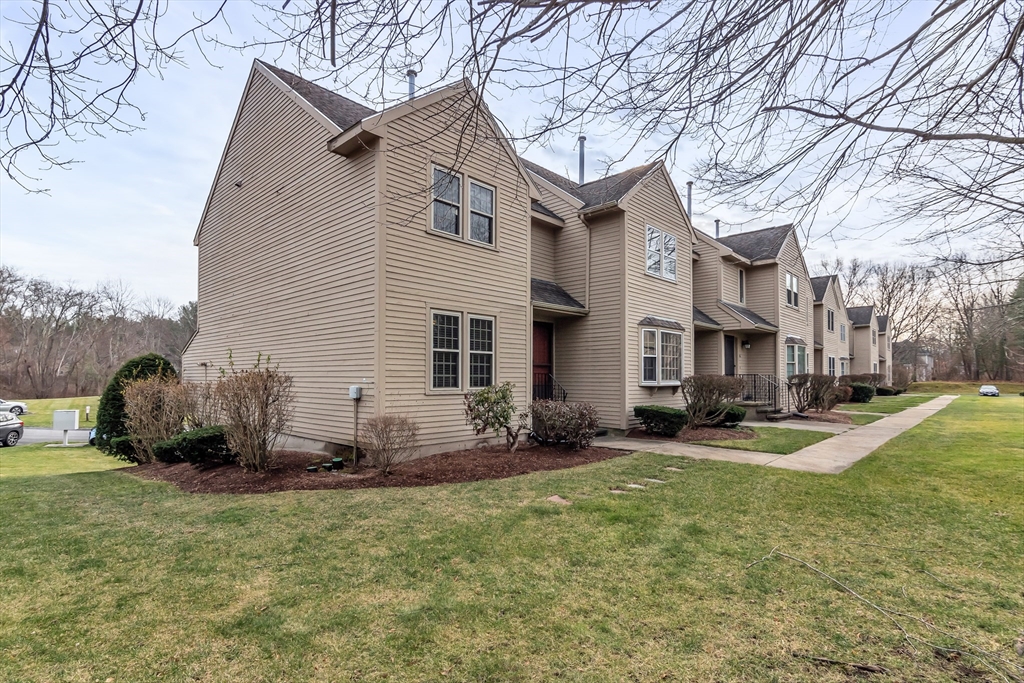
(870, 668)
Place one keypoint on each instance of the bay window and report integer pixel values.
(796, 360)
(661, 353)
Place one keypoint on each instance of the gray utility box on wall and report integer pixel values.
(355, 392)
(65, 419)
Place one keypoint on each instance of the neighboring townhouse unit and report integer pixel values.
(412, 253)
(831, 327)
(753, 311)
(884, 348)
(864, 340)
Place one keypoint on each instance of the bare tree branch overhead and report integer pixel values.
(795, 106)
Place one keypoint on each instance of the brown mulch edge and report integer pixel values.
(289, 472)
(702, 434)
(830, 416)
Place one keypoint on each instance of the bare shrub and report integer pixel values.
(573, 424)
(392, 440)
(155, 411)
(708, 397)
(492, 409)
(813, 391)
(900, 377)
(257, 406)
(202, 405)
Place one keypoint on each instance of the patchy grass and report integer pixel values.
(36, 460)
(40, 410)
(106, 576)
(860, 419)
(964, 387)
(886, 404)
(779, 440)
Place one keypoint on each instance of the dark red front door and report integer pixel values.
(542, 365)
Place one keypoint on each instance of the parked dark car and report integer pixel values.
(11, 429)
(988, 390)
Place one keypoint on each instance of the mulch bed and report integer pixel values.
(702, 434)
(831, 416)
(289, 474)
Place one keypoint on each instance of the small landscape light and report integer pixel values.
(312, 468)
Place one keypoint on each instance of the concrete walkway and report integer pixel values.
(830, 456)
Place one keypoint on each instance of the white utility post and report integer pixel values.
(65, 420)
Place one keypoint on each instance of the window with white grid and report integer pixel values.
(481, 352)
(445, 350)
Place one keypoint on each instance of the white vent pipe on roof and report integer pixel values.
(411, 73)
(583, 142)
(689, 199)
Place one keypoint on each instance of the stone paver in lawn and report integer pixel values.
(830, 456)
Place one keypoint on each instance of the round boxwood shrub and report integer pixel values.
(732, 416)
(862, 393)
(885, 391)
(661, 420)
(203, 447)
(111, 414)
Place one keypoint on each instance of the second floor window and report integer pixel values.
(874, 337)
(481, 213)
(792, 290)
(743, 287)
(447, 202)
(842, 332)
(661, 253)
(449, 197)
(831, 320)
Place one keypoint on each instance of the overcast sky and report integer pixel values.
(129, 208)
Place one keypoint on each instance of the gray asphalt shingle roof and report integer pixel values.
(540, 208)
(597, 192)
(655, 321)
(758, 244)
(700, 317)
(883, 323)
(748, 314)
(341, 111)
(860, 315)
(820, 286)
(548, 292)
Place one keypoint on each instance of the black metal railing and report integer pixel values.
(547, 388)
(767, 389)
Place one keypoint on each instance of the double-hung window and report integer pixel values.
(661, 253)
(874, 337)
(796, 360)
(832, 366)
(661, 357)
(842, 367)
(481, 352)
(481, 213)
(792, 290)
(743, 287)
(448, 200)
(831, 320)
(445, 337)
(842, 332)
(447, 203)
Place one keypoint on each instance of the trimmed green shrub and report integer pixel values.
(862, 393)
(574, 424)
(885, 391)
(732, 416)
(111, 416)
(204, 447)
(661, 420)
(493, 409)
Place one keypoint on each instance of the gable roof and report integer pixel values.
(883, 323)
(757, 245)
(608, 190)
(552, 293)
(860, 315)
(540, 208)
(747, 314)
(703, 319)
(341, 111)
(820, 286)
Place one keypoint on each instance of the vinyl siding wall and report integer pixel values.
(654, 204)
(286, 262)
(569, 247)
(831, 344)
(707, 278)
(797, 322)
(708, 353)
(542, 251)
(425, 270)
(864, 353)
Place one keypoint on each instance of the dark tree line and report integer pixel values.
(62, 340)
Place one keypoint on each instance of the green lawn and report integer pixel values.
(1012, 388)
(37, 460)
(859, 419)
(772, 440)
(887, 404)
(104, 576)
(40, 410)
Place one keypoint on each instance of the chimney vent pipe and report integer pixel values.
(411, 73)
(583, 142)
(689, 199)
(717, 221)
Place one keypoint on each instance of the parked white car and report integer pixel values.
(15, 407)
(988, 390)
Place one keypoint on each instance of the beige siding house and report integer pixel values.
(864, 350)
(831, 327)
(412, 253)
(884, 348)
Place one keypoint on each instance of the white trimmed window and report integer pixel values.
(796, 360)
(842, 332)
(842, 367)
(874, 337)
(481, 213)
(445, 361)
(831, 320)
(661, 253)
(792, 290)
(661, 357)
(743, 287)
(447, 205)
(481, 352)
(874, 368)
(832, 366)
